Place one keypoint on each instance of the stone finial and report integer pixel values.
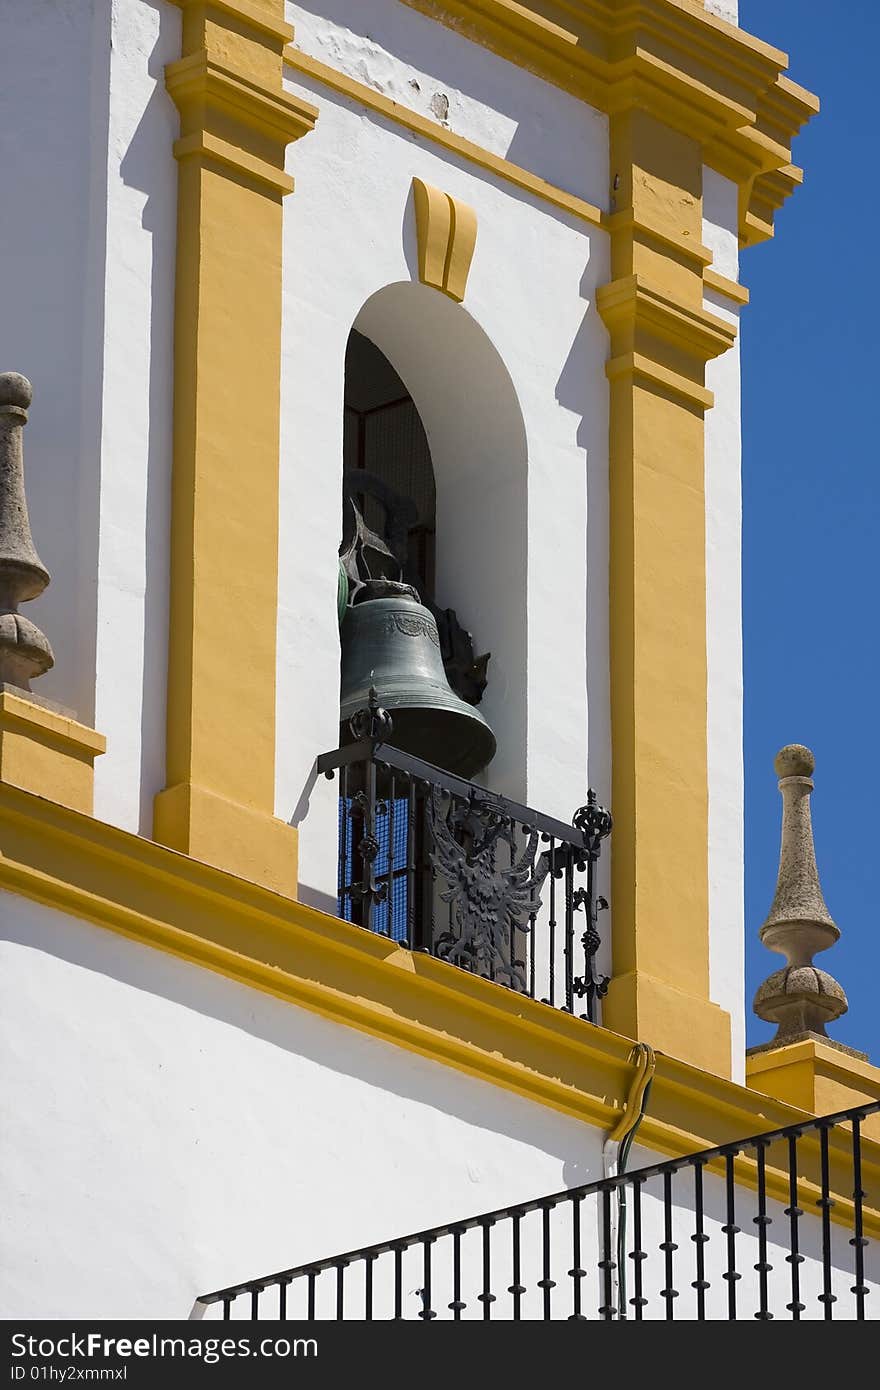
(24, 651)
(800, 999)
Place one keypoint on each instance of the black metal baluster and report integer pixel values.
(310, 1310)
(858, 1242)
(606, 1264)
(282, 1299)
(227, 1310)
(731, 1230)
(762, 1221)
(368, 1286)
(389, 879)
(427, 1312)
(517, 1288)
(533, 930)
(369, 843)
(546, 1283)
(487, 1297)
(255, 1302)
(398, 1282)
(457, 1305)
(346, 855)
(576, 1273)
(551, 925)
(638, 1255)
(340, 1290)
(411, 863)
(569, 931)
(794, 1212)
(669, 1247)
(427, 878)
(511, 931)
(699, 1237)
(826, 1203)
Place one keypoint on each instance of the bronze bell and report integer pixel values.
(390, 641)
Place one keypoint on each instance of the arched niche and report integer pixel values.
(477, 439)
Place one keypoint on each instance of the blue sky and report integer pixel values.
(811, 499)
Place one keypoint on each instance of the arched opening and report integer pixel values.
(384, 438)
(433, 581)
(431, 415)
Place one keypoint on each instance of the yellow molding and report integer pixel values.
(258, 15)
(447, 235)
(698, 256)
(635, 364)
(816, 1076)
(661, 338)
(630, 304)
(141, 890)
(503, 168)
(731, 289)
(709, 80)
(421, 125)
(236, 121)
(47, 753)
(222, 152)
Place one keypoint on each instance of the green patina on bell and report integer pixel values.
(390, 641)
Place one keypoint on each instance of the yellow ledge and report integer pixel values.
(159, 898)
(421, 125)
(695, 72)
(502, 168)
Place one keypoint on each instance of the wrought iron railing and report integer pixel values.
(442, 865)
(772, 1226)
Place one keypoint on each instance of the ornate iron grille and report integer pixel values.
(442, 865)
(775, 1225)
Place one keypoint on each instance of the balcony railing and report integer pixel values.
(773, 1226)
(442, 865)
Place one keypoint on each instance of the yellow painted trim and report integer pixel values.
(421, 125)
(731, 289)
(637, 366)
(708, 80)
(222, 152)
(661, 338)
(512, 173)
(158, 898)
(47, 753)
(446, 229)
(817, 1077)
(236, 121)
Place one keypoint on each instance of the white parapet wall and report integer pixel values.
(167, 1132)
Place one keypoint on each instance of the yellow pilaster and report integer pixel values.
(47, 752)
(661, 339)
(817, 1076)
(235, 124)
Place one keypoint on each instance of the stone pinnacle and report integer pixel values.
(800, 998)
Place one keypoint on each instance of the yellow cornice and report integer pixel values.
(152, 895)
(630, 306)
(731, 289)
(695, 72)
(611, 222)
(413, 120)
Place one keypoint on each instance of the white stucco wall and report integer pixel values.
(136, 432)
(724, 632)
(724, 9)
(88, 236)
(165, 1131)
(538, 522)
